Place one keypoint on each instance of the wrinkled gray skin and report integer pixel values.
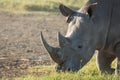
(93, 27)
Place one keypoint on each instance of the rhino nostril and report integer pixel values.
(68, 69)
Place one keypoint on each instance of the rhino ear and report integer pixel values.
(65, 10)
(91, 9)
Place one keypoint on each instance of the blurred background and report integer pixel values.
(37, 5)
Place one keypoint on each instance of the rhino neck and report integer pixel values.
(102, 21)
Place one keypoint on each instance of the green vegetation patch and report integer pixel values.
(89, 72)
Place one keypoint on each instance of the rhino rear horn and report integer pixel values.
(51, 50)
(63, 41)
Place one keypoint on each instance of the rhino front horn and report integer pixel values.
(51, 50)
(63, 41)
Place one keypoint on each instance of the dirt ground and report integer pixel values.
(20, 45)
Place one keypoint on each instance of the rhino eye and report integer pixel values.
(70, 19)
(79, 46)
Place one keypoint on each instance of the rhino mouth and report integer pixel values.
(72, 68)
(62, 69)
(68, 69)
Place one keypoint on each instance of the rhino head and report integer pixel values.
(78, 45)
